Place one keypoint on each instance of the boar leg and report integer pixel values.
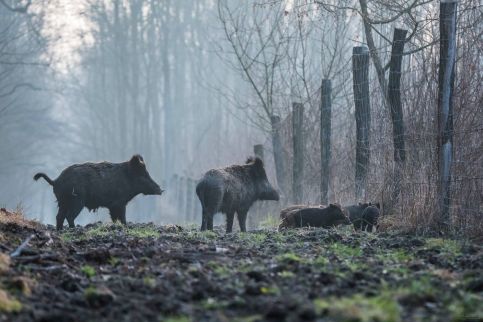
(118, 214)
(60, 217)
(242, 219)
(209, 221)
(229, 222)
(203, 220)
(74, 210)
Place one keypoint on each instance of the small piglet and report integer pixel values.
(327, 217)
(104, 184)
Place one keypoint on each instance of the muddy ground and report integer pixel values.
(107, 272)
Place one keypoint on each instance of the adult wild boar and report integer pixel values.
(327, 217)
(233, 189)
(104, 184)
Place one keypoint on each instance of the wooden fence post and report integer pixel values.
(395, 105)
(360, 67)
(278, 153)
(325, 139)
(298, 152)
(448, 12)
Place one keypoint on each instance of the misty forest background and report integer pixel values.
(193, 85)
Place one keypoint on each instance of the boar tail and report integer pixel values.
(46, 177)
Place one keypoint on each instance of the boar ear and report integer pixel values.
(378, 205)
(258, 162)
(250, 160)
(333, 205)
(137, 161)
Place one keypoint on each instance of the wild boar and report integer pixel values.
(327, 217)
(284, 213)
(370, 217)
(233, 189)
(104, 184)
(355, 213)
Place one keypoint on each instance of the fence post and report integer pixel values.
(298, 152)
(360, 67)
(260, 206)
(448, 12)
(395, 105)
(325, 139)
(278, 153)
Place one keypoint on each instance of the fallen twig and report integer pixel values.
(19, 249)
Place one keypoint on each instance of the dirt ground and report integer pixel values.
(143, 272)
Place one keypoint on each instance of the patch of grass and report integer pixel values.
(286, 274)
(320, 261)
(394, 256)
(218, 269)
(142, 232)
(109, 229)
(213, 304)
(360, 308)
(9, 304)
(418, 291)
(444, 245)
(344, 251)
(149, 281)
(253, 239)
(270, 290)
(270, 221)
(289, 258)
(468, 308)
(88, 271)
(196, 235)
(67, 236)
(113, 261)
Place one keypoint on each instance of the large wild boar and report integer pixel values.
(104, 184)
(327, 217)
(233, 189)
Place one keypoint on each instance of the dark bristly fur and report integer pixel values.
(284, 213)
(370, 217)
(327, 217)
(233, 189)
(356, 211)
(104, 184)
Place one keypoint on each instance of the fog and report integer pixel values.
(194, 85)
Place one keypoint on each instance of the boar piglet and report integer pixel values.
(104, 184)
(284, 213)
(370, 217)
(233, 189)
(327, 217)
(356, 211)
